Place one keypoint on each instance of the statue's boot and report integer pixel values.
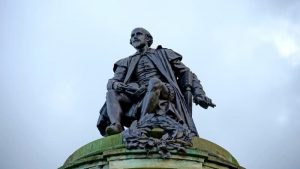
(114, 128)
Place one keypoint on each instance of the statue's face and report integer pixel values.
(138, 38)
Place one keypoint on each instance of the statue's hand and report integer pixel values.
(203, 101)
(119, 86)
(132, 87)
(140, 91)
(135, 90)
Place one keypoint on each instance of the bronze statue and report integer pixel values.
(151, 81)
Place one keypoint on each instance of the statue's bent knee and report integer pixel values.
(154, 84)
(112, 94)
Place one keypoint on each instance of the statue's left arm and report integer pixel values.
(180, 70)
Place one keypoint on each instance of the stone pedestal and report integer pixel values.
(110, 153)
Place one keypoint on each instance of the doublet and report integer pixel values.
(145, 70)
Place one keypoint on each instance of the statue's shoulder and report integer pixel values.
(170, 54)
(121, 63)
(124, 62)
(160, 48)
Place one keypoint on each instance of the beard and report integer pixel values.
(138, 44)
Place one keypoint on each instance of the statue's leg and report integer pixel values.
(156, 89)
(114, 100)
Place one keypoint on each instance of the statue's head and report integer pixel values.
(140, 37)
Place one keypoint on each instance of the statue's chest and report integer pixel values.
(145, 70)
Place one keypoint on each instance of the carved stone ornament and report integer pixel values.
(160, 133)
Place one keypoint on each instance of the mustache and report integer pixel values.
(135, 40)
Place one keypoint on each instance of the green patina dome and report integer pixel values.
(97, 151)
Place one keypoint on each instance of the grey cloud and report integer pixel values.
(59, 55)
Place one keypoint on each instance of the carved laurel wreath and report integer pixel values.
(173, 136)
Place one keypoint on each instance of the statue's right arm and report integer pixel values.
(120, 70)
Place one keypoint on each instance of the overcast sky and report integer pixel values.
(57, 55)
